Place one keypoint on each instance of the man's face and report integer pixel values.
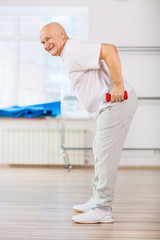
(52, 41)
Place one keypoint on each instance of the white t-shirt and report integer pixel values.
(90, 76)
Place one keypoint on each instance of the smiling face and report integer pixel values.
(53, 38)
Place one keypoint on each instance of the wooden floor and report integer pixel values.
(36, 203)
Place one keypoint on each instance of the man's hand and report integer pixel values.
(117, 93)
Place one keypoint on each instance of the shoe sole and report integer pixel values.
(79, 211)
(109, 221)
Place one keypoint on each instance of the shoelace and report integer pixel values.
(91, 211)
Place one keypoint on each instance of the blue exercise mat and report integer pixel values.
(52, 109)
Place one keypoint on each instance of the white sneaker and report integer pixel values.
(95, 215)
(81, 208)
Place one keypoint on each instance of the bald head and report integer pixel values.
(53, 27)
(53, 37)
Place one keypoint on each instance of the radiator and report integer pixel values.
(41, 146)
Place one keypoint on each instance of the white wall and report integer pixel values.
(127, 23)
(122, 22)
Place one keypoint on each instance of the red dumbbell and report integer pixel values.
(108, 96)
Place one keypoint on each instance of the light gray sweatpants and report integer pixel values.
(112, 127)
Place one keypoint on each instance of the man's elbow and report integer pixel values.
(107, 50)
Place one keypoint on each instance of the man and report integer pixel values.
(95, 69)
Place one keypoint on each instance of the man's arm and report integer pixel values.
(110, 55)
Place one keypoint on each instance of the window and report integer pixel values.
(28, 74)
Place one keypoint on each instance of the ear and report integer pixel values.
(62, 34)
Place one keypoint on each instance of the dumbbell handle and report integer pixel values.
(108, 96)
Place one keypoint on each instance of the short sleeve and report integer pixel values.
(86, 55)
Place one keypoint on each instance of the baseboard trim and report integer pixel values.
(76, 166)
